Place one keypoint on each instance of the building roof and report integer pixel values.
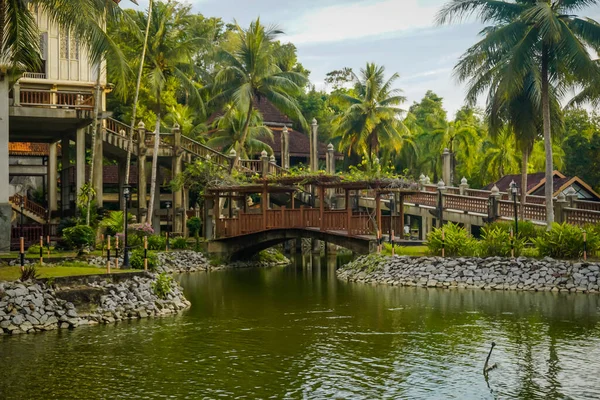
(275, 120)
(536, 184)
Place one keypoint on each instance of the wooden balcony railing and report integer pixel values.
(29, 205)
(465, 203)
(56, 99)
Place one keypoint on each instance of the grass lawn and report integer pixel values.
(14, 255)
(69, 269)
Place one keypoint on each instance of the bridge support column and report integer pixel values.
(65, 174)
(79, 160)
(97, 178)
(141, 170)
(52, 178)
(314, 147)
(5, 207)
(209, 218)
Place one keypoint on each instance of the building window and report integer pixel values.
(69, 45)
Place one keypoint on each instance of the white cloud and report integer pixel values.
(357, 20)
(424, 74)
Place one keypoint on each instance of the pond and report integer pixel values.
(298, 332)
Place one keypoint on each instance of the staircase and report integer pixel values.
(31, 209)
(115, 133)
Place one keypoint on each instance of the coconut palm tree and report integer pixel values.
(540, 37)
(373, 118)
(229, 131)
(170, 53)
(250, 71)
(498, 156)
(186, 117)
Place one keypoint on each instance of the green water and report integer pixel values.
(297, 332)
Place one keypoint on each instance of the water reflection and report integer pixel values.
(296, 332)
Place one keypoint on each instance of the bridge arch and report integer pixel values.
(244, 246)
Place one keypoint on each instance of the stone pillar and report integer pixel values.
(176, 170)
(559, 208)
(52, 179)
(314, 148)
(121, 171)
(5, 207)
(142, 186)
(571, 197)
(97, 181)
(79, 160)
(447, 167)
(464, 185)
(264, 158)
(330, 157)
(494, 204)
(209, 218)
(422, 182)
(285, 148)
(65, 173)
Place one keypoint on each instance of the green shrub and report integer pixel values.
(179, 243)
(34, 249)
(162, 285)
(496, 242)
(271, 256)
(79, 236)
(458, 242)
(565, 241)
(527, 229)
(156, 242)
(29, 272)
(194, 225)
(136, 259)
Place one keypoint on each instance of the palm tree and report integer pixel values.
(539, 37)
(186, 117)
(230, 129)
(498, 156)
(137, 91)
(169, 57)
(250, 71)
(373, 118)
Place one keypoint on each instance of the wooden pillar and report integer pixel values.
(293, 199)
(378, 211)
(283, 217)
(321, 206)
(264, 205)
(348, 210)
(216, 213)
(401, 211)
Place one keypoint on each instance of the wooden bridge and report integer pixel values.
(358, 215)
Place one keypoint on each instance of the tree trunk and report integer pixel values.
(137, 94)
(150, 213)
(524, 162)
(94, 155)
(549, 185)
(244, 134)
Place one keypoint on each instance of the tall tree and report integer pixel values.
(540, 37)
(250, 70)
(169, 58)
(228, 133)
(372, 118)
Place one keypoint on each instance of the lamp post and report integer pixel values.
(514, 190)
(168, 205)
(125, 248)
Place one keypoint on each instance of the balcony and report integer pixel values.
(53, 98)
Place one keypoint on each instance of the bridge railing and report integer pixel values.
(581, 217)
(587, 205)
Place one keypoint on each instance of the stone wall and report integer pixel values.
(37, 306)
(490, 274)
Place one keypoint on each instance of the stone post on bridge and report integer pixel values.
(330, 162)
(447, 168)
(314, 146)
(178, 206)
(494, 204)
(559, 208)
(264, 164)
(142, 185)
(464, 185)
(571, 196)
(285, 148)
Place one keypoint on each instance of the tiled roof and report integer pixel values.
(28, 149)
(504, 183)
(268, 111)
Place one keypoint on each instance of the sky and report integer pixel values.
(399, 34)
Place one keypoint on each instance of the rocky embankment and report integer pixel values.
(39, 306)
(523, 274)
